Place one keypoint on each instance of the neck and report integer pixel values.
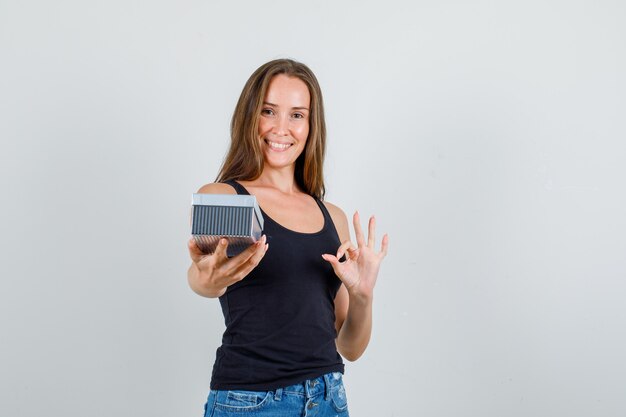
(281, 179)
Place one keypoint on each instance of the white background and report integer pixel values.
(487, 137)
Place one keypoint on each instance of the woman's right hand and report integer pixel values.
(210, 274)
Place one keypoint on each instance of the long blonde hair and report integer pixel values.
(244, 160)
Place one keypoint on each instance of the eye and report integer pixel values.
(298, 116)
(268, 112)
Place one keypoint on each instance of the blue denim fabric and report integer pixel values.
(320, 397)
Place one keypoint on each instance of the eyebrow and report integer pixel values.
(276, 105)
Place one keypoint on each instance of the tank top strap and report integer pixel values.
(329, 224)
(238, 187)
(325, 212)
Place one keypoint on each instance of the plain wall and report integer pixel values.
(487, 137)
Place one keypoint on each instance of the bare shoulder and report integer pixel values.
(340, 220)
(216, 188)
(335, 211)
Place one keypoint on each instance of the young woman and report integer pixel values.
(302, 295)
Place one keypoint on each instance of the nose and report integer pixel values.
(281, 126)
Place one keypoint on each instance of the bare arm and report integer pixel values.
(210, 275)
(353, 303)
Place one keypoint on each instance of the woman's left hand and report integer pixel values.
(360, 269)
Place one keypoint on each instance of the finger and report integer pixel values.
(193, 246)
(358, 233)
(384, 246)
(245, 255)
(333, 261)
(245, 268)
(338, 267)
(194, 250)
(220, 254)
(346, 246)
(259, 253)
(371, 232)
(353, 254)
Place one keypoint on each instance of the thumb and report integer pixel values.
(332, 260)
(194, 250)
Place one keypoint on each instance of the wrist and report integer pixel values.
(211, 291)
(215, 293)
(209, 288)
(360, 298)
(201, 283)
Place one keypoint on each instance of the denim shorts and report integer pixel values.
(319, 397)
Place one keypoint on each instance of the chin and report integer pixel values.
(279, 164)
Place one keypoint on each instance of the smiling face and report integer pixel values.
(284, 121)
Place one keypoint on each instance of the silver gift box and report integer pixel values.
(235, 217)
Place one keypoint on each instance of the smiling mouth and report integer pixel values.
(278, 146)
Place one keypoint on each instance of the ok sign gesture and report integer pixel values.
(360, 269)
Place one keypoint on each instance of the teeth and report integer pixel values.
(278, 145)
